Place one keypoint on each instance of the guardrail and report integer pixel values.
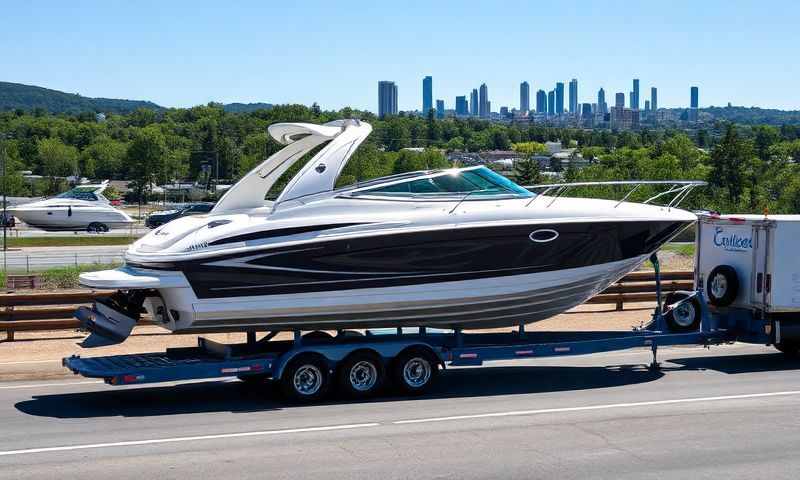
(53, 310)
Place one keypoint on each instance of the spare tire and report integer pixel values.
(684, 318)
(722, 286)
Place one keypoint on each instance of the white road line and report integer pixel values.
(598, 407)
(188, 439)
(40, 385)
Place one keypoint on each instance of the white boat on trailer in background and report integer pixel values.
(82, 208)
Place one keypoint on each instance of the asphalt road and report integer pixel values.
(40, 258)
(730, 412)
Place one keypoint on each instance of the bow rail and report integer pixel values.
(679, 189)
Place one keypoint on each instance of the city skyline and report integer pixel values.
(241, 53)
(482, 107)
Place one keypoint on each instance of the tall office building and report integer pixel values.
(601, 101)
(387, 98)
(635, 94)
(427, 95)
(694, 104)
(586, 111)
(524, 97)
(551, 102)
(653, 98)
(461, 106)
(541, 101)
(559, 98)
(439, 108)
(484, 108)
(647, 105)
(473, 102)
(573, 96)
(619, 100)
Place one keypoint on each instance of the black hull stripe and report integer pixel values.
(504, 310)
(425, 257)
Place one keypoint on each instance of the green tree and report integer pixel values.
(104, 158)
(144, 159)
(527, 171)
(57, 159)
(731, 166)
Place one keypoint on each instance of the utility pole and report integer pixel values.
(5, 204)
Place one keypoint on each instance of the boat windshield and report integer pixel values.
(477, 181)
(80, 193)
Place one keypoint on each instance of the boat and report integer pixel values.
(455, 248)
(82, 208)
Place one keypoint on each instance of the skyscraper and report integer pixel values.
(541, 101)
(601, 101)
(439, 108)
(461, 106)
(694, 104)
(473, 102)
(551, 102)
(483, 105)
(387, 98)
(573, 96)
(559, 98)
(427, 95)
(619, 101)
(635, 94)
(524, 97)
(647, 105)
(653, 98)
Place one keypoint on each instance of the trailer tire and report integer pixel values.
(686, 317)
(97, 227)
(361, 375)
(722, 285)
(790, 349)
(415, 371)
(305, 379)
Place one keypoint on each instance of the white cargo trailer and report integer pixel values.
(750, 261)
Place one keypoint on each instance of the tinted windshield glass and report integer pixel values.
(477, 182)
(80, 194)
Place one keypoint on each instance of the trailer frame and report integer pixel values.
(265, 358)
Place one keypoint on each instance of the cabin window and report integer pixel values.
(476, 181)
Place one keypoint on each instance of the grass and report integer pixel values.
(686, 249)
(63, 277)
(65, 241)
(67, 277)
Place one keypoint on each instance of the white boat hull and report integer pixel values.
(479, 303)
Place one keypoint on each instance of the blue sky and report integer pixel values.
(179, 53)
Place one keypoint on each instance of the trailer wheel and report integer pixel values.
(97, 227)
(361, 375)
(722, 285)
(790, 349)
(683, 318)
(305, 379)
(414, 371)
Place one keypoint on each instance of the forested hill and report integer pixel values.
(26, 97)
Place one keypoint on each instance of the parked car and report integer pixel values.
(7, 221)
(160, 218)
